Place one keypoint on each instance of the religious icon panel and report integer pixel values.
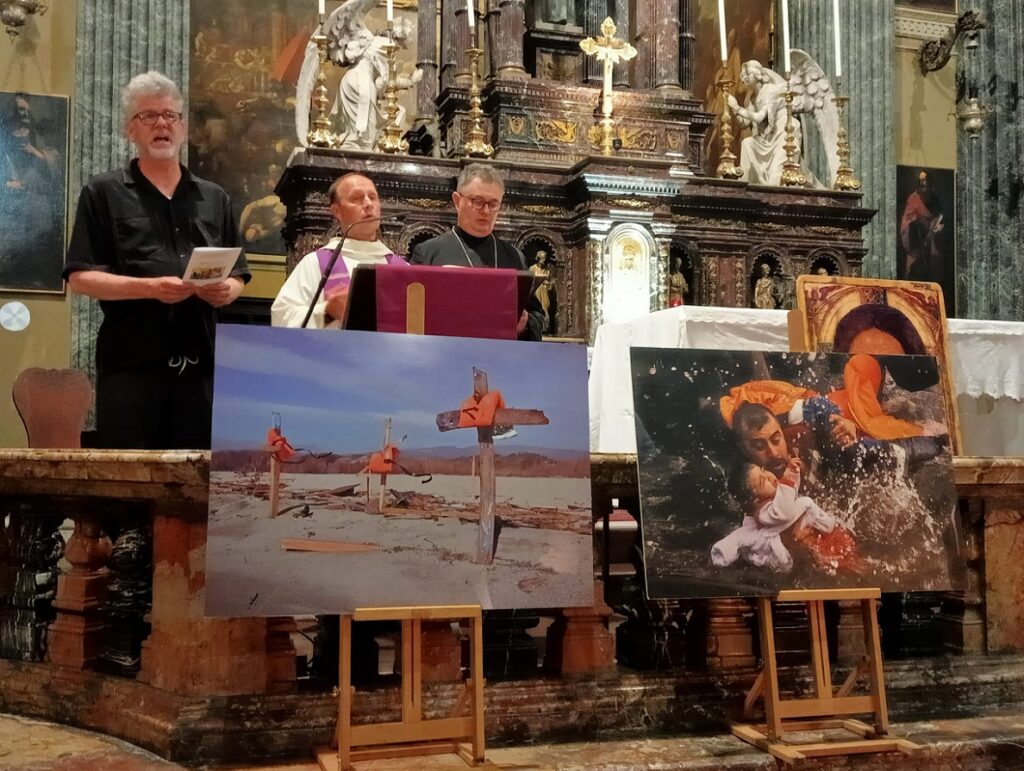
(33, 167)
(355, 469)
(760, 472)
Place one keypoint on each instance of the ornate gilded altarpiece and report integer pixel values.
(620, 227)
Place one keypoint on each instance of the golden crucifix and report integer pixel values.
(610, 50)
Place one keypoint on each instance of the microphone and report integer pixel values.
(392, 220)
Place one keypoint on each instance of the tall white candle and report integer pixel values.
(391, 10)
(785, 36)
(839, 50)
(471, 13)
(721, 31)
(322, 9)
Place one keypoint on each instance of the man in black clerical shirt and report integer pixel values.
(134, 232)
(471, 242)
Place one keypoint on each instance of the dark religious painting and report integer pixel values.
(946, 6)
(926, 239)
(241, 95)
(761, 472)
(352, 469)
(244, 68)
(33, 164)
(748, 25)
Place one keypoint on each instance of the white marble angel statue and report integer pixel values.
(763, 154)
(350, 42)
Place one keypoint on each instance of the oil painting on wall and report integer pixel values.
(767, 471)
(33, 191)
(244, 68)
(354, 469)
(926, 239)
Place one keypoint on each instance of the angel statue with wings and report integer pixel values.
(763, 153)
(351, 43)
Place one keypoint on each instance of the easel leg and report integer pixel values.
(876, 674)
(819, 649)
(344, 729)
(773, 719)
(476, 669)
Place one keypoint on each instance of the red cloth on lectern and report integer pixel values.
(459, 302)
(480, 414)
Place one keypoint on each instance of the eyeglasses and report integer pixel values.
(149, 118)
(482, 204)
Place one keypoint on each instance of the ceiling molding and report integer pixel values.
(916, 24)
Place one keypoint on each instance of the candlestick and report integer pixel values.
(475, 146)
(785, 38)
(471, 13)
(390, 139)
(792, 174)
(320, 134)
(844, 174)
(721, 31)
(727, 168)
(835, 27)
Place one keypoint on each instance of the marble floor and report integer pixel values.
(994, 743)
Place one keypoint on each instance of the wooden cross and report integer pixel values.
(449, 421)
(610, 50)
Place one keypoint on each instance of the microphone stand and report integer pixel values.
(330, 267)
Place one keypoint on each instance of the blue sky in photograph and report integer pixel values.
(335, 389)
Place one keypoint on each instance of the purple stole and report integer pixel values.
(340, 275)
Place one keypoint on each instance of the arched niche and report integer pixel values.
(630, 273)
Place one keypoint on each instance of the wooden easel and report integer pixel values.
(827, 709)
(412, 736)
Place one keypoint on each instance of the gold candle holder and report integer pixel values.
(844, 174)
(390, 139)
(320, 134)
(792, 174)
(476, 146)
(727, 168)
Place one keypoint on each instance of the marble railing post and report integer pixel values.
(506, 27)
(30, 546)
(186, 652)
(579, 642)
(74, 637)
(868, 78)
(963, 613)
(426, 60)
(730, 639)
(990, 171)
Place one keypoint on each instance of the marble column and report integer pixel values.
(868, 75)
(426, 60)
(687, 46)
(116, 40)
(647, 53)
(506, 27)
(657, 46)
(990, 171)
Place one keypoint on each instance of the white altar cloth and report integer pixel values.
(988, 370)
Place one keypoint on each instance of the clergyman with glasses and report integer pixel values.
(134, 232)
(471, 241)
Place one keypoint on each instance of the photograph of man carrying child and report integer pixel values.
(769, 471)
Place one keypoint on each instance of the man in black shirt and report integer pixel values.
(134, 232)
(471, 242)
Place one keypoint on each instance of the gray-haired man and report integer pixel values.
(134, 232)
(471, 242)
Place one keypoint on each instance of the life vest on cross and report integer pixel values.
(279, 446)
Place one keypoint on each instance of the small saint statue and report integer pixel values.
(764, 289)
(541, 268)
(677, 286)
